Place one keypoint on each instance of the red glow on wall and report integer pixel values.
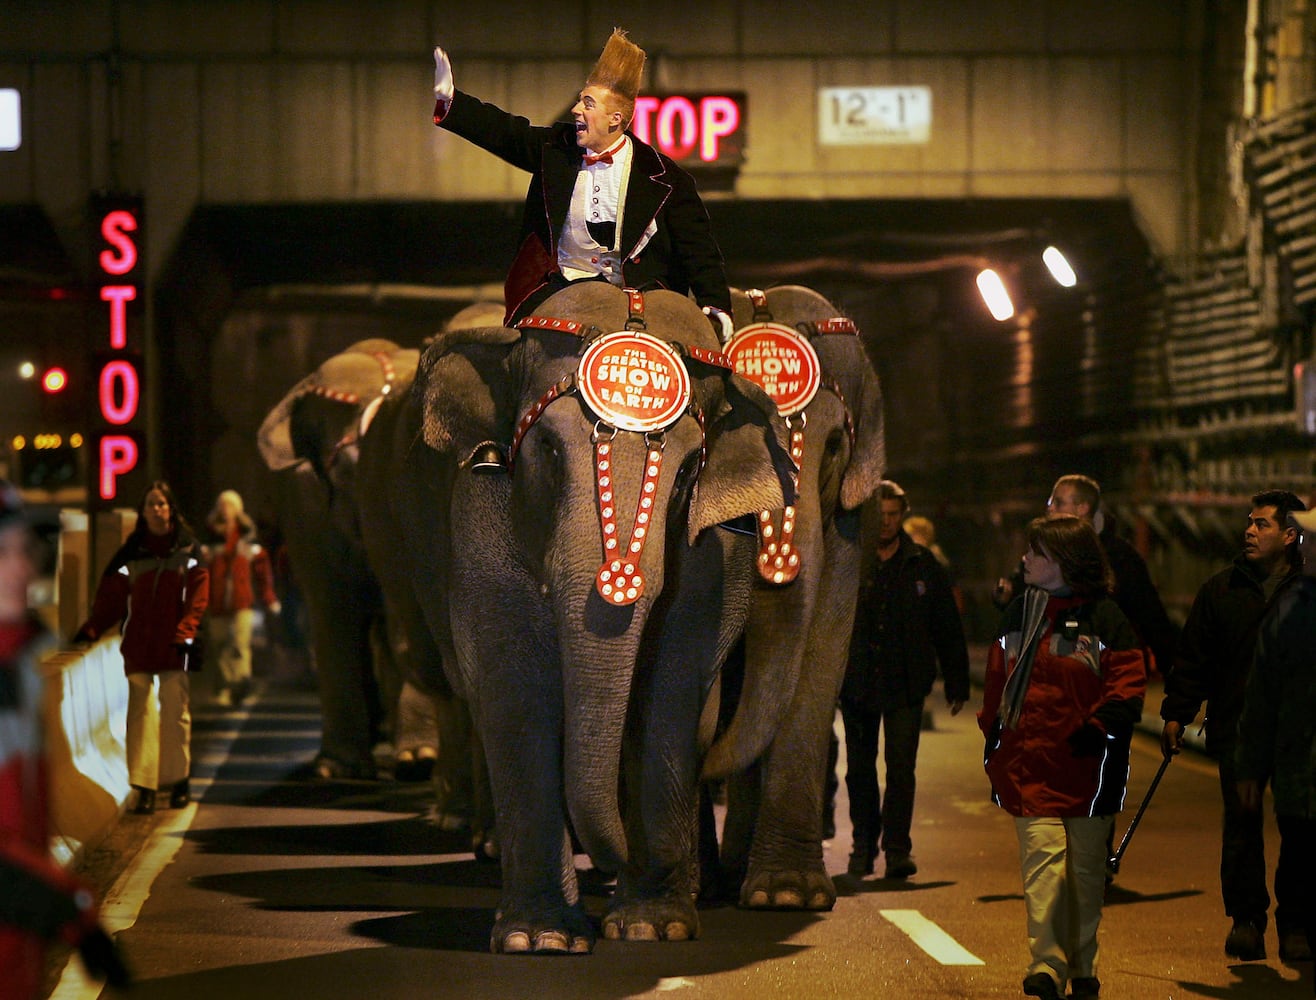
(119, 392)
(121, 257)
(119, 382)
(118, 296)
(693, 129)
(118, 457)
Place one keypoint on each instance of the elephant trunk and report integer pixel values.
(776, 636)
(594, 719)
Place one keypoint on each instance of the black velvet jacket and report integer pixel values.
(682, 255)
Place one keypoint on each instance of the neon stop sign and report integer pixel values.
(117, 361)
(697, 130)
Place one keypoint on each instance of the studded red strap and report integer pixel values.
(837, 324)
(550, 323)
(635, 306)
(560, 388)
(779, 562)
(620, 581)
(714, 358)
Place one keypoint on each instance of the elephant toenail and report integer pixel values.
(641, 932)
(552, 941)
(612, 932)
(517, 941)
(677, 931)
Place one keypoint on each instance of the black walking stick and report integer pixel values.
(1113, 862)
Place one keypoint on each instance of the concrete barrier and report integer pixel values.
(85, 715)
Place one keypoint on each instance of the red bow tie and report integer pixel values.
(606, 156)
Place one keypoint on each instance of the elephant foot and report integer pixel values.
(563, 931)
(415, 765)
(807, 889)
(327, 768)
(670, 918)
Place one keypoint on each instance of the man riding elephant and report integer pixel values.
(601, 205)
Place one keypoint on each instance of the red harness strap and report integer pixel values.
(778, 561)
(619, 581)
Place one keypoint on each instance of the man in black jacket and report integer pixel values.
(906, 623)
(1214, 660)
(601, 205)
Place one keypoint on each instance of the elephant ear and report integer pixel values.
(748, 468)
(868, 458)
(464, 391)
(352, 378)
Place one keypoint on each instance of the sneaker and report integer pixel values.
(1039, 984)
(1084, 986)
(1246, 942)
(900, 865)
(1293, 947)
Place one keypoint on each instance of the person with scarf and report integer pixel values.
(40, 903)
(1063, 690)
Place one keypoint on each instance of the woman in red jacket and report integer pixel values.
(240, 575)
(155, 590)
(1064, 687)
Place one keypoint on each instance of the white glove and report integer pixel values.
(443, 88)
(721, 323)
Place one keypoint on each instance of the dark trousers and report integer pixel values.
(875, 818)
(1242, 851)
(1297, 834)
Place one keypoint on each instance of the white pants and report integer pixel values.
(159, 737)
(1063, 862)
(228, 641)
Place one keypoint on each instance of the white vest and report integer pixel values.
(599, 196)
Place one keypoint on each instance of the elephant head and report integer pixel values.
(321, 420)
(833, 405)
(611, 471)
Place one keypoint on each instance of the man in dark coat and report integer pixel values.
(906, 623)
(601, 205)
(1134, 592)
(1277, 739)
(1215, 658)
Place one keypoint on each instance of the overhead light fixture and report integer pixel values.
(993, 292)
(1059, 267)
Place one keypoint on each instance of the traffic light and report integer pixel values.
(54, 381)
(63, 403)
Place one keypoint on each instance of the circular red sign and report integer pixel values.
(634, 381)
(779, 360)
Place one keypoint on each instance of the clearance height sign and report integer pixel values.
(116, 463)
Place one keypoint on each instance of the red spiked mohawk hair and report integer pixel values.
(620, 66)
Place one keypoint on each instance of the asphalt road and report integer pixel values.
(277, 887)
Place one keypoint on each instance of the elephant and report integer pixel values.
(772, 835)
(361, 644)
(586, 670)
